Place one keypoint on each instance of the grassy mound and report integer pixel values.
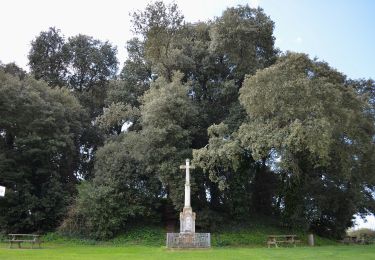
(253, 233)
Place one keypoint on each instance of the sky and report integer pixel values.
(340, 32)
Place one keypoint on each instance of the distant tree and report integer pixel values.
(81, 62)
(49, 57)
(39, 132)
(92, 62)
(84, 65)
(134, 79)
(159, 25)
(13, 69)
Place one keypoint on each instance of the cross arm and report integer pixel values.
(184, 167)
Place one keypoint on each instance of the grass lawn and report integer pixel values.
(61, 251)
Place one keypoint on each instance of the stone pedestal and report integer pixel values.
(187, 220)
(188, 240)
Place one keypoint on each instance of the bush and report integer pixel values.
(362, 232)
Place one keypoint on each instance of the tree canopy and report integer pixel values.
(39, 152)
(303, 114)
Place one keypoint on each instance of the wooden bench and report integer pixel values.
(24, 238)
(282, 239)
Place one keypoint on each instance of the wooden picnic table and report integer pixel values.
(21, 238)
(282, 239)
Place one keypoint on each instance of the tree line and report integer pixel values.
(271, 133)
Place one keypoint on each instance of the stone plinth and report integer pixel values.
(188, 240)
(187, 220)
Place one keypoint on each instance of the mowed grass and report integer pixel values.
(56, 251)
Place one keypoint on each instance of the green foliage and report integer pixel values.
(243, 35)
(302, 111)
(222, 154)
(120, 191)
(93, 62)
(39, 129)
(13, 69)
(213, 69)
(158, 24)
(84, 65)
(294, 114)
(49, 57)
(168, 118)
(115, 115)
(131, 170)
(135, 77)
(80, 63)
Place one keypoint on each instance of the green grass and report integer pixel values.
(98, 252)
(241, 241)
(249, 235)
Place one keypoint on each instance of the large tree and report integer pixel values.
(135, 170)
(83, 64)
(39, 132)
(303, 113)
(122, 191)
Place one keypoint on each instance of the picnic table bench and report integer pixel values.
(20, 238)
(282, 239)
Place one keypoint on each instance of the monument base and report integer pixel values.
(187, 220)
(188, 240)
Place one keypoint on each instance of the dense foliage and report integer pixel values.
(303, 112)
(39, 132)
(278, 135)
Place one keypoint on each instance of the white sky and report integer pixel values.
(22, 20)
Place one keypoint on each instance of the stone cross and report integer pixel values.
(187, 238)
(187, 166)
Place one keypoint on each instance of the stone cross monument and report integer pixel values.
(187, 216)
(187, 238)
